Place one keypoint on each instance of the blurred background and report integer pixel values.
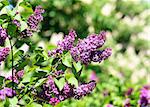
(127, 23)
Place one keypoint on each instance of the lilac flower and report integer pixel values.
(51, 85)
(55, 52)
(84, 89)
(3, 36)
(129, 92)
(145, 96)
(9, 92)
(2, 95)
(14, 79)
(35, 18)
(68, 91)
(6, 92)
(127, 103)
(109, 105)
(4, 53)
(16, 76)
(26, 33)
(54, 101)
(86, 49)
(68, 41)
(16, 22)
(93, 76)
(20, 73)
(98, 56)
(39, 10)
(58, 73)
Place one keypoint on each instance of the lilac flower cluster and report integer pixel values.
(6, 92)
(51, 87)
(4, 53)
(3, 36)
(33, 22)
(16, 76)
(52, 94)
(16, 22)
(84, 89)
(145, 96)
(86, 49)
(65, 44)
(35, 18)
(68, 41)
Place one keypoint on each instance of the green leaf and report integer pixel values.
(27, 9)
(60, 83)
(67, 60)
(39, 74)
(5, 2)
(18, 17)
(47, 105)
(27, 77)
(13, 101)
(34, 105)
(11, 29)
(7, 103)
(18, 53)
(73, 81)
(23, 25)
(40, 82)
(1, 21)
(77, 66)
(4, 10)
(1, 79)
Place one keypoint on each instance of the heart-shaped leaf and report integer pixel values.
(60, 83)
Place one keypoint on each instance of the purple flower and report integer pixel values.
(9, 92)
(2, 95)
(98, 56)
(6, 92)
(93, 76)
(16, 22)
(39, 10)
(4, 53)
(58, 73)
(145, 96)
(26, 33)
(35, 18)
(54, 101)
(86, 49)
(3, 36)
(51, 85)
(16, 76)
(20, 73)
(68, 41)
(127, 103)
(129, 92)
(14, 79)
(55, 52)
(84, 89)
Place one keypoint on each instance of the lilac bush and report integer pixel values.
(54, 76)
